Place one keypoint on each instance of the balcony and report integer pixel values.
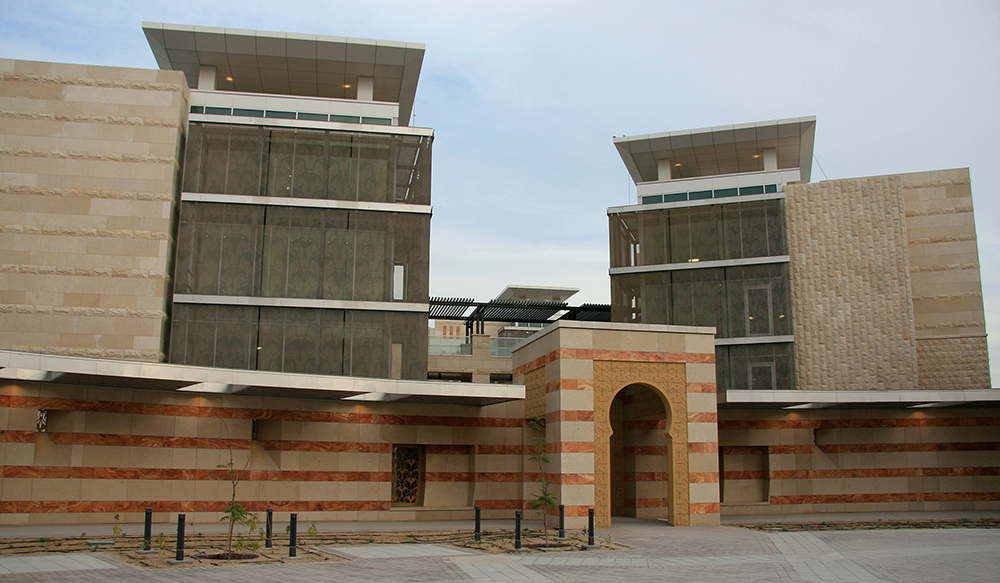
(449, 345)
(461, 345)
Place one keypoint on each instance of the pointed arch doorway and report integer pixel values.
(640, 442)
(639, 449)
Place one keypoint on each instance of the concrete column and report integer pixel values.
(206, 78)
(663, 169)
(770, 160)
(366, 89)
(480, 358)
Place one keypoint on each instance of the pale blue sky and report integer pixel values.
(525, 96)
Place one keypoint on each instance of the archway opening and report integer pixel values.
(639, 453)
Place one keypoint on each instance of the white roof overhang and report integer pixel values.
(100, 372)
(720, 150)
(913, 399)
(312, 65)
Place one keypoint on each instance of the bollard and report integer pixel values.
(147, 533)
(180, 539)
(590, 527)
(517, 530)
(267, 526)
(478, 516)
(292, 536)
(562, 521)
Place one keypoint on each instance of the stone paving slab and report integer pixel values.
(53, 563)
(395, 551)
(657, 553)
(497, 568)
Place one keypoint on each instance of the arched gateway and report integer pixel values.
(632, 419)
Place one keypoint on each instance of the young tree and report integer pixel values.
(539, 455)
(235, 513)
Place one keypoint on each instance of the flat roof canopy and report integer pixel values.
(155, 376)
(720, 150)
(507, 311)
(282, 63)
(537, 293)
(853, 399)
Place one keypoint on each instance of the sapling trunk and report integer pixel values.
(540, 456)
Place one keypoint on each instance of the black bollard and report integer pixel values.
(478, 517)
(268, 525)
(562, 521)
(292, 536)
(180, 539)
(590, 526)
(147, 533)
(517, 530)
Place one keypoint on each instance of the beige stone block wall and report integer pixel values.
(89, 158)
(110, 451)
(949, 319)
(850, 284)
(480, 364)
(778, 462)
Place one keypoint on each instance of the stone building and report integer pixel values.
(226, 261)
(850, 342)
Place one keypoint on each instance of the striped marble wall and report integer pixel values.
(859, 460)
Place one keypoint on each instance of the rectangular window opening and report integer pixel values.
(398, 282)
(248, 112)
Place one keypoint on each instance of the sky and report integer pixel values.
(526, 96)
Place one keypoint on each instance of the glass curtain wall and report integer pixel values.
(754, 367)
(705, 233)
(275, 251)
(299, 163)
(739, 301)
(750, 300)
(301, 340)
(294, 252)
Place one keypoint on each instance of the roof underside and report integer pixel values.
(536, 293)
(98, 372)
(514, 311)
(289, 63)
(720, 150)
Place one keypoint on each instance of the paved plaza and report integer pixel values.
(657, 553)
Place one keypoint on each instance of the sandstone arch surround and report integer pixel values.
(667, 380)
(572, 372)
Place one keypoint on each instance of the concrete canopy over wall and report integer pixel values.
(572, 372)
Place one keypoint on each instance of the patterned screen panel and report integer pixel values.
(407, 475)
